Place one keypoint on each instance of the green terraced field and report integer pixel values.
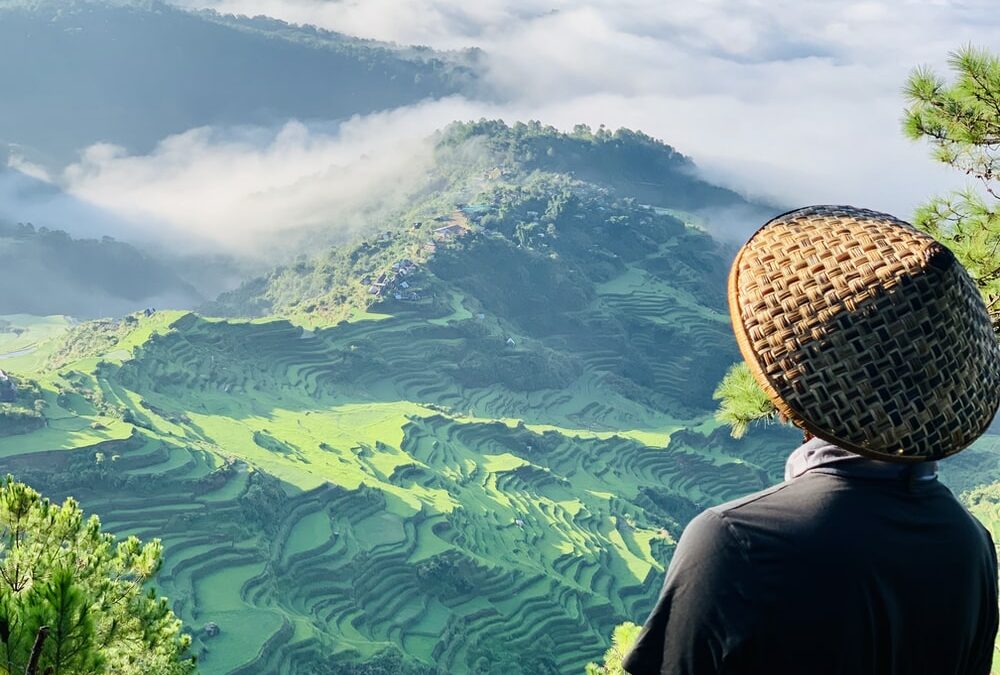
(312, 516)
(497, 467)
(414, 508)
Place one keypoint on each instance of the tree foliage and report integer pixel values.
(961, 120)
(79, 595)
(622, 639)
(742, 401)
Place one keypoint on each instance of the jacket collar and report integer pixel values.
(820, 455)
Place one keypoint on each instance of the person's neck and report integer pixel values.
(819, 455)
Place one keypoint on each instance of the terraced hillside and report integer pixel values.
(370, 516)
(472, 438)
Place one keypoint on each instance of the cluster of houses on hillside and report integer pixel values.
(394, 283)
(452, 226)
(8, 390)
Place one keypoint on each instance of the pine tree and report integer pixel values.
(961, 120)
(622, 639)
(742, 401)
(72, 598)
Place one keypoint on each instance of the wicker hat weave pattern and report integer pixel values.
(866, 332)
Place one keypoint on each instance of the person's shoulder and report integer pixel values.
(707, 541)
(774, 493)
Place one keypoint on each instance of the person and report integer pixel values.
(869, 336)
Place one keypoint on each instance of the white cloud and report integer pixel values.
(796, 100)
(241, 189)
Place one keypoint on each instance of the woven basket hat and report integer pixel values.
(866, 332)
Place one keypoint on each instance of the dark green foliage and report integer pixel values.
(961, 121)
(16, 420)
(516, 370)
(676, 510)
(388, 662)
(447, 573)
(269, 442)
(629, 161)
(58, 570)
(496, 659)
(21, 405)
(262, 502)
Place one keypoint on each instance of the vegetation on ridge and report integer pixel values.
(49, 272)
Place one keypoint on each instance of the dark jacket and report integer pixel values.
(853, 567)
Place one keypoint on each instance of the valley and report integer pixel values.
(482, 471)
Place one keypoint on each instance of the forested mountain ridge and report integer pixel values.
(49, 272)
(465, 443)
(525, 184)
(137, 71)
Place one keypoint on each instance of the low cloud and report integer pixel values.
(799, 102)
(791, 102)
(251, 189)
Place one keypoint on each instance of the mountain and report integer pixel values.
(464, 444)
(49, 272)
(519, 184)
(134, 72)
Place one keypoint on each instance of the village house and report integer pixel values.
(449, 231)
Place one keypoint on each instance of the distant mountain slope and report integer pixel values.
(132, 73)
(472, 437)
(582, 199)
(48, 272)
(630, 162)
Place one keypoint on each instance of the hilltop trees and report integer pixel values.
(72, 599)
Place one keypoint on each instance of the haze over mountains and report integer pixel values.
(213, 148)
(132, 73)
(400, 392)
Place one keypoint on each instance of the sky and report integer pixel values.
(791, 102)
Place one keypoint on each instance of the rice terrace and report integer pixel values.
(460, 434)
